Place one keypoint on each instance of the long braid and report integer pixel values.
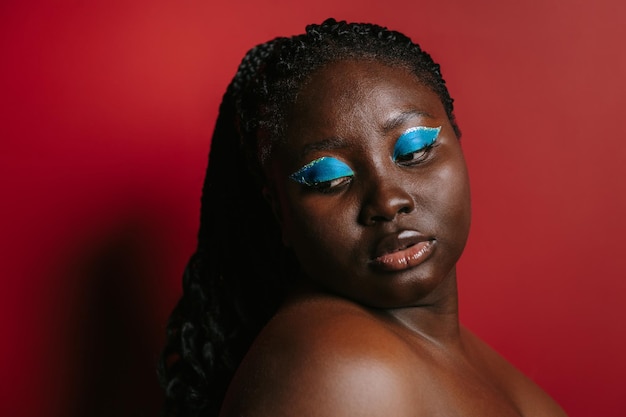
(240, 272)
(225, 302)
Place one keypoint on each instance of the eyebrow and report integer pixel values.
(327, 144)
(401, 118)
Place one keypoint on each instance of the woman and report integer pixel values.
(335, 207)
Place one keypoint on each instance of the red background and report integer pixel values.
(107, 110)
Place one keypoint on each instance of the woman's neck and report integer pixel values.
(435, 318)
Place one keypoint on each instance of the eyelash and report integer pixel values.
(425, 153)
(327, 187)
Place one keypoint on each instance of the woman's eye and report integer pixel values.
(324, 173)
(414, 144)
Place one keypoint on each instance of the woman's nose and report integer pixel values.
(384, 199)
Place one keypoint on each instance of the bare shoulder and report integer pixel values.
(324, 356)
(529, 397)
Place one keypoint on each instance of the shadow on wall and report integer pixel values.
(114, 335)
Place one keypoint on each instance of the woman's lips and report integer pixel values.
(403, 251)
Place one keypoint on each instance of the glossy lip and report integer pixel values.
(402, 251)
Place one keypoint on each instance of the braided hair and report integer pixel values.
(240, 272)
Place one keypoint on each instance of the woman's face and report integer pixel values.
(371, 188)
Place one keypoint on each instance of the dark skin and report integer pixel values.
(357, 338)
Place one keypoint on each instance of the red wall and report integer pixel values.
(106, 114)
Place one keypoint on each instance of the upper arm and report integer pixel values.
(366, 386)
(337, 373)
(335, 387)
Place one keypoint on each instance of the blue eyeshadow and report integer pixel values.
(414, 140)
(321, 170)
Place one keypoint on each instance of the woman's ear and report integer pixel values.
(269, 194)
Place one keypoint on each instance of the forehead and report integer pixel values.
(360, 91)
